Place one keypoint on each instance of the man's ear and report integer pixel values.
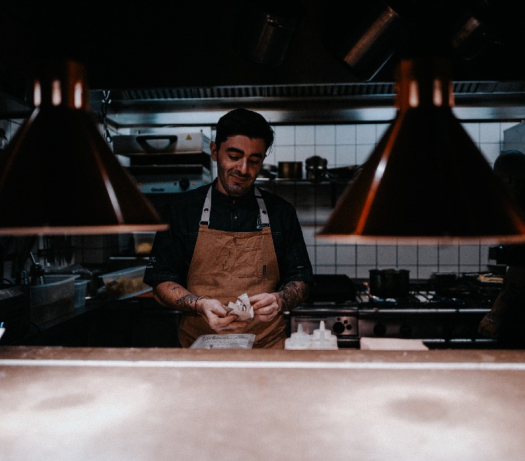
(214, 151)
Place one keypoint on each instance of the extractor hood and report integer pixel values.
(296, 104)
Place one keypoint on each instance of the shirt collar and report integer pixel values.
(247, 198)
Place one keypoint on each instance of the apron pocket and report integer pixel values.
(249, 264)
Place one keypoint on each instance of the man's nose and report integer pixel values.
(243, 166)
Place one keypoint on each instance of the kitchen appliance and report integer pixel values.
(165, 162)
(332, 299)
(52, 299)
(445, 320)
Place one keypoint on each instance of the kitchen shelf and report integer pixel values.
(301, 181)
(307, 194)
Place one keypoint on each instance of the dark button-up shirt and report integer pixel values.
(172, 250)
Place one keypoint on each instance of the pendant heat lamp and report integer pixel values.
(426, 182)
(59, 176)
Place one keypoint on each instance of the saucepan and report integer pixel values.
(290, 170)
(389, 283)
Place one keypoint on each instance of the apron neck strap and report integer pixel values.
(263, 213)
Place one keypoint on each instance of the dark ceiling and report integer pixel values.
(196, 43)
(165, 59)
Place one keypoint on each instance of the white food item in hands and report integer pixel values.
(242, 308)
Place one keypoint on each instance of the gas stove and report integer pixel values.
(441, 315)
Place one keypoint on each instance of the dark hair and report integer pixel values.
(510, 163)
(510, 168)
(244, 122)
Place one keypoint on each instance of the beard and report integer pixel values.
(236, 184)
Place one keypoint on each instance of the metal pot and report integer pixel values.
(343, 172)
(268, 171)
(316, 168)
(444, 283)
(291, 170)
(389, 283)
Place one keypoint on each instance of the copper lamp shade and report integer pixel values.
(426, 181)
(59, 176)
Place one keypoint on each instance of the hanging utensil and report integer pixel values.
(36, 272)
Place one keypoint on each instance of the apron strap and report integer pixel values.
(206, 209)
(263, 213)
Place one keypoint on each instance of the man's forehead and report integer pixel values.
(247, 146)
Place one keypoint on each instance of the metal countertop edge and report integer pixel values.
(268, 364)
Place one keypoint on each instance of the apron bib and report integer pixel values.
(228, 264)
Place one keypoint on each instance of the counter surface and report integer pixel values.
(170, 404)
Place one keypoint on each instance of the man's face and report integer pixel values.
(239, 161)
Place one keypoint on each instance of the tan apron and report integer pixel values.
(227, 264)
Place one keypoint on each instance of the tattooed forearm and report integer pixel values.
(292, 294)
(187, 302)
(173, 295)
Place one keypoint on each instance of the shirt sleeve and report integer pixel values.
(292, 255)
(172, 250)
(164, 264)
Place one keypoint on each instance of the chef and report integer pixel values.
(506, 318)
(232, 238)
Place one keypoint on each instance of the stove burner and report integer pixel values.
(393, 302)
(445, 315)
(435, 298)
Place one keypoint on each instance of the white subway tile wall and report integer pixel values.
(344, 145)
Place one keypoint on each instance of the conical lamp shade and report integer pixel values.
(59, 176)
(426, 181)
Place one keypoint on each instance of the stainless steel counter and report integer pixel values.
(170, 404)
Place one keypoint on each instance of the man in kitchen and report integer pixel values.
(231, 238)
(506, 319)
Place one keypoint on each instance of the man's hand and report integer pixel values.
(216, 314)
(489, 326)
(265, 306)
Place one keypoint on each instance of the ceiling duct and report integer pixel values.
(265, 29)
(368, 39)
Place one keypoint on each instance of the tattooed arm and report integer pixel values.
(175, 296)
(292, 294)
(268, 305)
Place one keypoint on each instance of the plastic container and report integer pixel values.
(225, 341)
(80, 293)
(52, 299)
(125, 283)
(143, 242)
(298, 340)
(321, 338)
